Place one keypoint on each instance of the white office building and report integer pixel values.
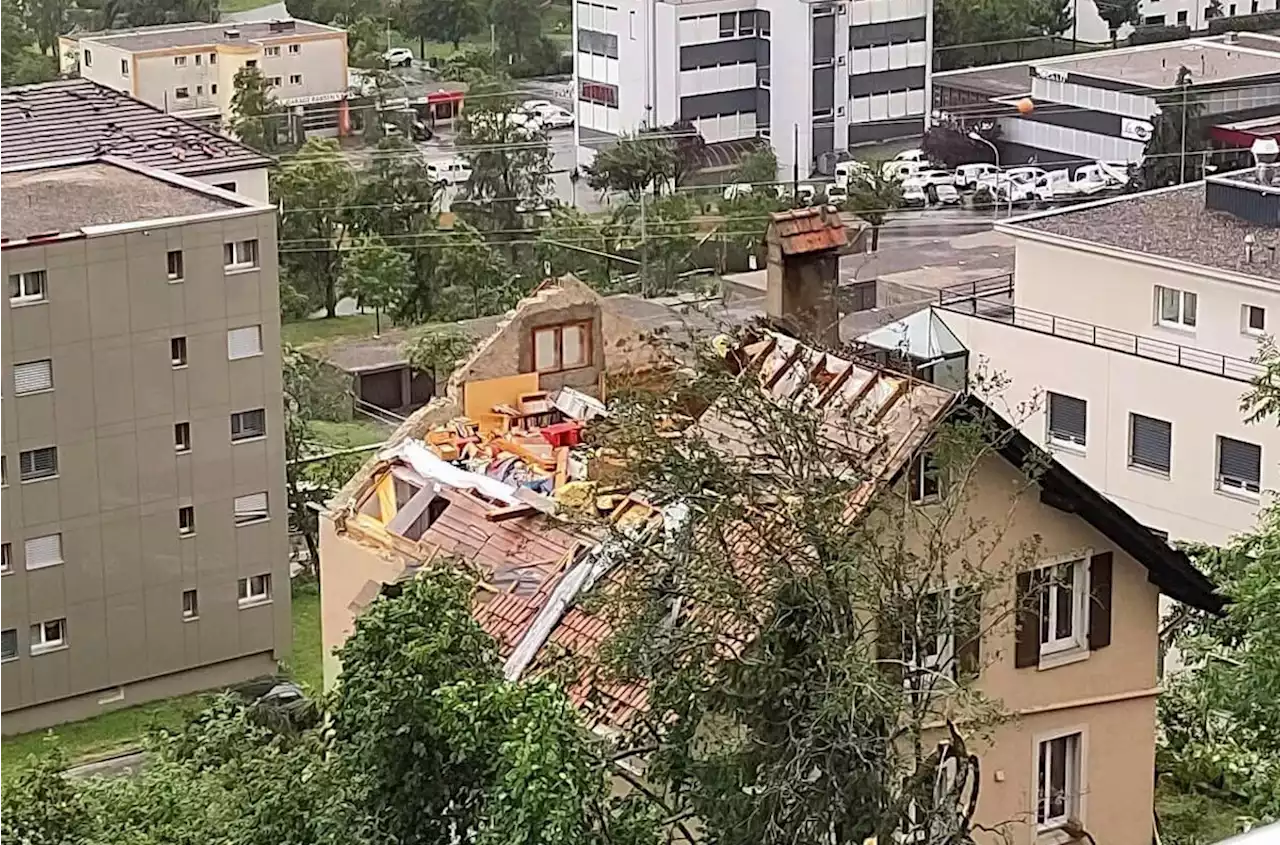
(813, 78)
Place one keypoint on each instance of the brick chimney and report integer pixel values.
(804, 247)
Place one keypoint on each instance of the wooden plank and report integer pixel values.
(510, 512)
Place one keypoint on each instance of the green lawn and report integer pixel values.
(343, 435)
(122, 729)
(303, 333)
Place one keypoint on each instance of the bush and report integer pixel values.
(1158, 34)
(1261, 22)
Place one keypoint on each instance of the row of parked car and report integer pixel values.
(924, 184)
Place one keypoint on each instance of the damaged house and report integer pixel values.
(484, 476)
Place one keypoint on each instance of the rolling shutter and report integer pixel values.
(32, 376)
(1026, 650)
(1240, 464)
(251, 507)
(1067, 418)
(244, 342)
(1151, 443)
(1100, 600)
(44, 551)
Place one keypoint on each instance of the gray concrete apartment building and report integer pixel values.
(144, 514)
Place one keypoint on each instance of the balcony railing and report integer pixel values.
(992, 299)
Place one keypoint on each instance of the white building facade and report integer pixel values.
(813, 78)
(1130, 363)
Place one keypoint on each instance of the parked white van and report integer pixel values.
(452, 171)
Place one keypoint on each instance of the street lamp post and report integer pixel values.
(974, 136)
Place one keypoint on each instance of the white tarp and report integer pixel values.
(429, 465)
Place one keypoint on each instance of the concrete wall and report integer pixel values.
(106, 67)
(1108, 694)
(107, 325)
(159, 76)
(248, 183)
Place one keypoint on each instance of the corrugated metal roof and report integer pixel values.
(77, 117)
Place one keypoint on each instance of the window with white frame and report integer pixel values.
(564, 347)
(179, 61)
(6, 558)
(295, 49)
(181, 93)
(924, 477)
(88, 58)
(1068, 420)
(48, 636)
(178, 352)
(295, 79)
(124, 67)
(240, 255)
(254, 590)
(930, 638)
(32, 377)
(1150, 443)
(251, 508)
(27, 287)
(1253, 319)
(1058, 774)
(199, 57)
(1239, 466)
(35, 464)
(244, 342)
(43, 551)
(190, 605)
(248, 424)
(1063, 606)
(173, 265)
(274, 81)
(271, 51)
(182, 437)
(1175, 308)
(186, 521)
(9, 644)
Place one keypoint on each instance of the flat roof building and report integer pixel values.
(144, 511)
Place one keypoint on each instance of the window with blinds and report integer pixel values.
(44, 551)
(248, 424)
(32, 377)
(38, 463)
(1239, 466)
(1067, 419)
(244, 342)
(1150, 443)
(251, 508)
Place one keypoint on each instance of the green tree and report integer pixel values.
(978, 32)
(576, 242)
(634, 164)
(256, 116)
(21, 61)
(377, 276)
(510, 163)
(777, 635)
(873, 198)
(440, 20)
(518, 27)
(663, 240)
(758, 168)
(314, 189)
(438, 351)
(473, 279)
(1118, 13)
(1174, 152)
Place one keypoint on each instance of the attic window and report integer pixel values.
(562, 347)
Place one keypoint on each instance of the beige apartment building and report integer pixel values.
(1078, 672)
(144, 515)
(190, 69)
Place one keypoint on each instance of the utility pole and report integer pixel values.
(644, 252)
(1184, 79)
(795, 163)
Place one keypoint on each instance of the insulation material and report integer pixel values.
(428, 465)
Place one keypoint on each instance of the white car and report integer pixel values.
(946, 194)
(902, 170)
(912, 155)
(451, 171)
(914, 194)
(936, 177)
(970, 175)
(1018, 185)
(398, 57)
(739, 189)
(534, 105)
(837, 195)
(552, 116)
(850, 171)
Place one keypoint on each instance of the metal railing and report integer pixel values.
(992, 299)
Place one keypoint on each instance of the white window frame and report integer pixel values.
(295, 48)
(1221, 484)
(36, 478)
(178, 446)
(243, 438)
(245, 594)
(1246, 311)
(124, 67)
(917, 664)
(271, 51)
(1064, 442)
(194, 612)
(87, 57)
(1076, 769)
(295, 79)
(275, 81)
(178, 362)
(1077, 639)
(42, 367)
(187, 530)
(168, 265)
(1183, 297)
(242, 255)
(6, 558)
(44, 564)
(236, 334)
(918, 479)
(25, 279)
(17, 647)
(254, 515)
(182, 92)
(44, 645)
(179, 61)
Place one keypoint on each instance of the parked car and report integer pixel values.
(912, 155)
(398, 57)
(945, 194)
(837, 195)
(451, 171)
(903, 169)
(552, 116)
(914, 194)
(936, 177)
(850, 171)
(969, 175)
(1018, 185)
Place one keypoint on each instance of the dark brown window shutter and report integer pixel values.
(968, 633)
(1100, 600)
(889, 643)
(1026, 650)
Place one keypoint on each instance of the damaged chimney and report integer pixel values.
(803, 273)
